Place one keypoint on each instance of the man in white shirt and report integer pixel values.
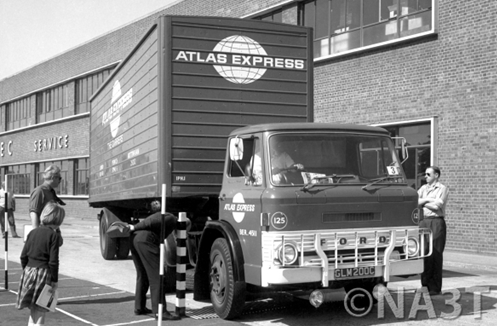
(433, 198)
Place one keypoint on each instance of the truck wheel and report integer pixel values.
(123, 245)
(170, 263)
(226, 299)
(108, 245)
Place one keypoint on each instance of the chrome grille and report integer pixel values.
(341, 248)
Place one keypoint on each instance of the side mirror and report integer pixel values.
(404, 152)
(236, 149)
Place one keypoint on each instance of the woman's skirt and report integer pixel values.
(30, 286)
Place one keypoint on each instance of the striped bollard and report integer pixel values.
(181, 261)
(162, 301)
(6, 235)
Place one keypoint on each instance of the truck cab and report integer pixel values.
(310, 206)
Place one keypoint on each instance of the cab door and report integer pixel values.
(240, 204)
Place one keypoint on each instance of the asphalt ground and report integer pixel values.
(107, 298)
(82, 302)
(93, 291)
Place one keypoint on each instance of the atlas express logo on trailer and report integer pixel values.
(117, 105)
(240, 59)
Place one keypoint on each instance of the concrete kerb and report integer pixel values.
(470, 260)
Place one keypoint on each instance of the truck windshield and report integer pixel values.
(331, 158)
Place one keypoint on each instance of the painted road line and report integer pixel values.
(131, 322)
(75, 317)
(91, 295)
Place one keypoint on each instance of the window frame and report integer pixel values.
(398, 18)
(77, 173)
(15, 173)
(16, 113)
(86, 86)
(64, 165)
(433, 123)
(301, 22)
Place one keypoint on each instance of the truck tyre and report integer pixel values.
(108, 245)
(123, 245)
(227, 299)
(170, 263)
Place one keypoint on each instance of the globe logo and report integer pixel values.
(116, 91)
(238, 216)
(241, 45)
(118, 103)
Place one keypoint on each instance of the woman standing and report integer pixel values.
(40, 262)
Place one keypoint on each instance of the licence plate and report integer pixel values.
(354, 272)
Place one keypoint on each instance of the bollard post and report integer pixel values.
(162, 252)
(6, 224)
(181, 261)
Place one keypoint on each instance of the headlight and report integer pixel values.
(412, 247)
(288, 254)
(316, 298)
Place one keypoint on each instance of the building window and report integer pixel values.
(419, 145)
(18, 178)
(64, 168)
(82, 177)
(345, 25)
(86, 86)
(52, 104)
(16, 114)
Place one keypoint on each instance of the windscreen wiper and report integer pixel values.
(380, 180)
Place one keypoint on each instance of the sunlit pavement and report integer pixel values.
(98, 292)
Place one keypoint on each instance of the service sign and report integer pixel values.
(47, 142)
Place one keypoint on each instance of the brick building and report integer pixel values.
(423, 69)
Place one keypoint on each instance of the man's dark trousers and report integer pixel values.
(432, 275)
(145, 252)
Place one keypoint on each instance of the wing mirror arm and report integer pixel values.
(404, 151)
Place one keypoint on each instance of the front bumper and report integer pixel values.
(282, 276)
(321, 257)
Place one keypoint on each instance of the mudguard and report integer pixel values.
(212, 231)
(111, 217)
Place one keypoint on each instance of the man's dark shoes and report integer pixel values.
(167, 316)
(144, 311)
(434, 293)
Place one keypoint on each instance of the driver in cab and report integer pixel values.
(281, 163)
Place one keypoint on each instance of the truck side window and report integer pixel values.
(239, 170)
